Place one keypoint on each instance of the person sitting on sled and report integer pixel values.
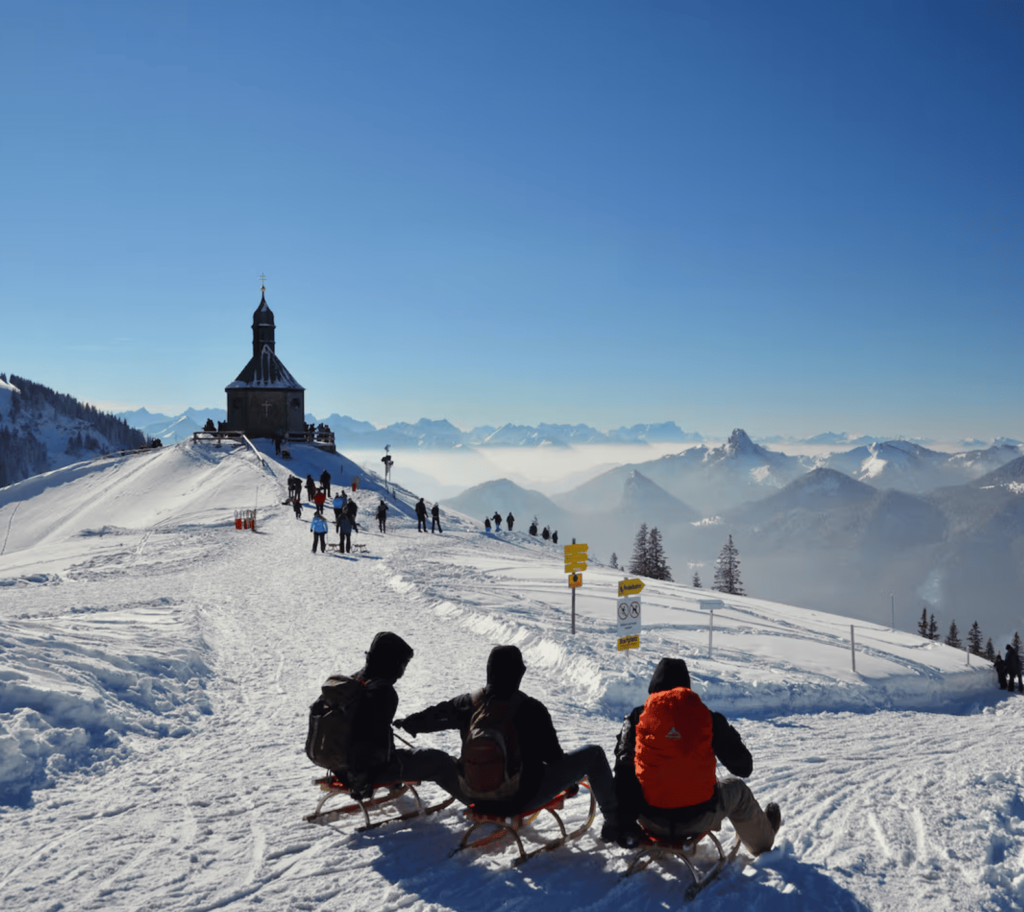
(372, 757)
(665, 766)
(543, 769)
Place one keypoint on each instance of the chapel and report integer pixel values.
(265, 400)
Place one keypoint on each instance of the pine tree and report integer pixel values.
(615, 561)
(1016, 643)
(990, 652)
(727, 570)
(659, 568)
(922, 625)
(696, 580)
(974, 639)
(933, 628)
(640, 562)
(953, 637)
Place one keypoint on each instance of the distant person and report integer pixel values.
(435, 519)
(554, 537)
(421, 516)
(319, 499)
(497, 521)
(297, 507)
(382, 516)
(1000, 671)
(277, 444)
(546, 534)
(533, 527)
(665, 768)
(319, 529)
(325, 482)
(1013, 670)
(351, 508)
(487, 523)
(544, 768)
(310, 487)
(345, 528)
(339, 507)
(509, 520)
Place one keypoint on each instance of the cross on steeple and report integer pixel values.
(263, 282)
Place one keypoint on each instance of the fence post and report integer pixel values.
(853, 652)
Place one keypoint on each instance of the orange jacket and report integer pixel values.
(675, 763)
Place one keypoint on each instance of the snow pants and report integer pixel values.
(589, 761)
(735, 801)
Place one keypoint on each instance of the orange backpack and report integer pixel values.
(675, 762)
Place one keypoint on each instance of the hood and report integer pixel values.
(505, 669)
(670, 674)
(387, 656)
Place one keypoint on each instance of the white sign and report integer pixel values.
(627, 611)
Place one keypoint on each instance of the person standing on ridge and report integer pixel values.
(497, 521)
(382, 516)
(435, 519)
(421, 516)
(509, 520)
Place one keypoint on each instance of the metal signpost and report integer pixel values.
(711, 605)
(575, 564)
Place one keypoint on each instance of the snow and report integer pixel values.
(157, 665)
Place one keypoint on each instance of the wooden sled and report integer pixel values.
(684, 848)
(334, 788)
(505, 826)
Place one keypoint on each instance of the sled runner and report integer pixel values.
(684, 848)
(513, 825)
(335, 788)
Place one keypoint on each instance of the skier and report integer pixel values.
(319, 529)
(421, 516)
(665, 761)
(435, 518)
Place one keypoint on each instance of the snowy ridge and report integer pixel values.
(158, 666)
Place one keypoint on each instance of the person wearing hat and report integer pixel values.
(546, 768)
(373, 758)
(665, 768)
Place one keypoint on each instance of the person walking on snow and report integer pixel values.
(310, 487)
(319, 529)
(421, 516)
(497, 521)
(665, 768)
(509, 520)
(382, 516)
(345, 532)
(325, 482)
(435, 519)
(319, 499)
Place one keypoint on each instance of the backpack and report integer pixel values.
(491, 766)
(330, 721)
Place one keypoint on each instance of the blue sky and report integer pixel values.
(790, 217)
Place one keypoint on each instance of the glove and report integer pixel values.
(404, 725)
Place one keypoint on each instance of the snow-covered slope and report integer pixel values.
(157, 665)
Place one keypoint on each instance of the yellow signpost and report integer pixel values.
(575, 564)
(630, 587)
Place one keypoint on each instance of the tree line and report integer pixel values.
(928, 627)
(648, 559)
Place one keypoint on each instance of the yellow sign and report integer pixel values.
(575, 566)
(630, 642)
(575, 580)
(630, 587)
(575, 551)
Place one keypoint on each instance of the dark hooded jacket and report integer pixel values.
(538, 741)
(725, 741)
(373, 743)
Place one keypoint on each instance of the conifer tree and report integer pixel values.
(639, 563)
(1016, 643)
(727, 570)
(953, 637)
(659, 568)
(615, 561)
(974, 639)
(922, 625)
(933, 628)
(990, 652)
(696, 580)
